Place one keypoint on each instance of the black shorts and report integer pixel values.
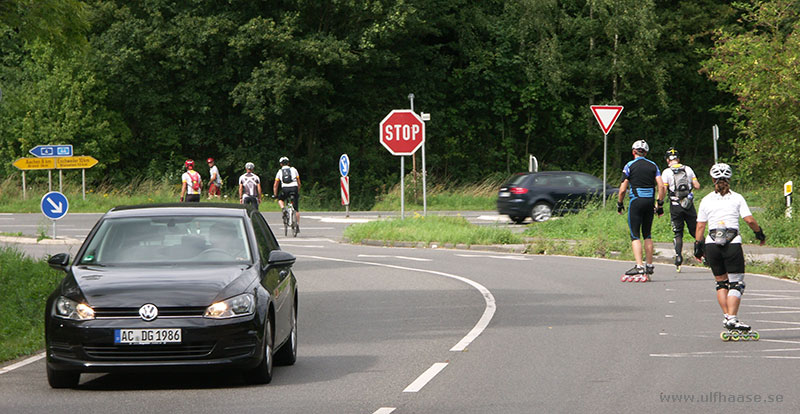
(725, 259)
(640, 217)
(191, 198)
(292, 194)
(683, 216)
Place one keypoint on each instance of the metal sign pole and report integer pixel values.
(605, 161)
(402, 187)
(715, 135)
(54, 229)
(83, 182)
(60, 183)
(49, 180)
(24, 192)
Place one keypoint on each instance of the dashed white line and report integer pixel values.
(22, 363)
(483, 256)
(426, 376)
(386, 256)
(384, 410)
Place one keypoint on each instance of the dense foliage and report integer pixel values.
(143, 85)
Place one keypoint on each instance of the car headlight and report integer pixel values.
(69, 309)
(241, 305)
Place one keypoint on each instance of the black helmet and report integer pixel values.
(671, 154)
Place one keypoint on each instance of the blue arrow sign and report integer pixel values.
(344, 165)
(55, 205)
(52, 151)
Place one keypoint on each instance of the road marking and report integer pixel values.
(22, 363)
(386, 256)
(667, 316)
(492, 218)
(773, 290)
(778, 329)
(303, 245)
(426, 376)
(384, 410)
(483, 256)
(780, 322)
(672, 301)
(479, 327)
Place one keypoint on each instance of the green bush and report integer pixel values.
(26, 285)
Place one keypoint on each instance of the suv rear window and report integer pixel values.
(516, 180)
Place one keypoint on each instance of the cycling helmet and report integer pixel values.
(641, 145)
(284, 160)
(189, 163)
(210, 160)
(249, 166)
(672, 154)
(721, 170)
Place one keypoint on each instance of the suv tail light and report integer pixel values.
(518, 190)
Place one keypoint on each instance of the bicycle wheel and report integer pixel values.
(285, 222)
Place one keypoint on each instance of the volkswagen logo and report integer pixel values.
(148, 312)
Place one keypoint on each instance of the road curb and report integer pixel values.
(31, 240)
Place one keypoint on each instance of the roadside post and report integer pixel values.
(402, 132)
(715, 137)
(54, 206)
(606, 116)
(533, 163)
(787, 193)
(344, 182)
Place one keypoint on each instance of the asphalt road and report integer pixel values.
(382, 331)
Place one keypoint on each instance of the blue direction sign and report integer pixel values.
(52, 151)
(344, 165)
(55, 205)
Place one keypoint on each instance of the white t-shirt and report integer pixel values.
(186, 178)
(723, 212)
(218, 179)
(294, 174)
(249, 182)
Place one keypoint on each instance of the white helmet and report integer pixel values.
(721, 170)
(641, 145)
(249, 166)
(284, 160)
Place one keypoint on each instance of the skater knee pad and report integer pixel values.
(737, 288)
(723, 285)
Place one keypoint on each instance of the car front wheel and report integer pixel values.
(541, 211)
(287, 354)
(262, 374)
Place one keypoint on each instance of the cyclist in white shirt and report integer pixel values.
(289, 180)
(249, 187)
(190, 183)
(722, 247)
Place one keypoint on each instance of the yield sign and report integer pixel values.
(606, 116)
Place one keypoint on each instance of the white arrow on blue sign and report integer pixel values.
(52, 151)
(55, 205)
(344, 165)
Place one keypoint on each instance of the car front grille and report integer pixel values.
(166, 312)
(149, 352)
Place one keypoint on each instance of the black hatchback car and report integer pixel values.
(173, 287)
(539, 195)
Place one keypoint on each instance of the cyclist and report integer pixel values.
(644, 179)
(289, 181)
(679, 181)
(214, 179)
(190, 183)
(723, 245)
(249, 187)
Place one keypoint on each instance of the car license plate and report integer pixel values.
(147, 336)
(505, 194)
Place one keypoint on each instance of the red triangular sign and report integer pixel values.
(606, 116)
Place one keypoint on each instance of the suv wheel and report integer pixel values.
(541, 211)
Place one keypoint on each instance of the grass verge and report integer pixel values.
(443, 196)
(26, 285)
(431, 229)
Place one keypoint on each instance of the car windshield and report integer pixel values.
(168, 240)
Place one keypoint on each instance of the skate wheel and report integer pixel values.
(755, 336)
(624, 278)
(678, 269)
(725, 336)
(735, 336)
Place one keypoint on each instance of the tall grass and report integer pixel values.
(26, 284)
(443, 195)
(431, 229)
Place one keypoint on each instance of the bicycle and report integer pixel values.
(289, 219)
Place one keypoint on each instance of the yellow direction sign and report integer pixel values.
(83, 161)
(35, 163)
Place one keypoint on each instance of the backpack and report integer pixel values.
(286, 175)
(683, 185)
(195, 180)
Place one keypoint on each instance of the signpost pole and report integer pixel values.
(83, 182)
(54, 229)
(24, 193)
(60, 183)
(715, 135)
(605, 162)
(49, 180)
(402, 188)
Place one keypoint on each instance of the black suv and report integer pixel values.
(539, 195)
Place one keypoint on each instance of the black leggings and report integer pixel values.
(640, 217)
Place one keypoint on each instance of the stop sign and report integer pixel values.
(402, 132)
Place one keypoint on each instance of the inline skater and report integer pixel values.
(191, 182)
(646, 191)
(289, 180)
(723, 245)
(679, 180)
(249, 187)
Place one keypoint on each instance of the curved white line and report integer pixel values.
(479, 327)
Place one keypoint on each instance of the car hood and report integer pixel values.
(118, 287)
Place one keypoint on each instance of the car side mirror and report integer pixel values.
(59, 261)
(280, 258)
